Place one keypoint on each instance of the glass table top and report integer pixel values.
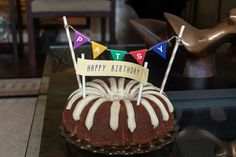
(205, 108)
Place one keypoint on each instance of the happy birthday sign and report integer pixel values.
(87, 67)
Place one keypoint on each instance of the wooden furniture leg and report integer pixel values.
(103, 29)
(112, 30)
(20, 27)
(12, 12)
(31, 43)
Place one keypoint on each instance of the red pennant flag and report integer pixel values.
(139, 55)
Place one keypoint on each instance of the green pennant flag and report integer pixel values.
(118, 55)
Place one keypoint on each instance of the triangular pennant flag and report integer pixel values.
(118, 55)
(139, 55)
(160, 48)
(79, 39)
(97, 49)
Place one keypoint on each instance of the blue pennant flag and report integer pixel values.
(160, 49)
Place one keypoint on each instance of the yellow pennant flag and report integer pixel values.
(97, 49)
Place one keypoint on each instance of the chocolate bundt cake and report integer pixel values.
(109, 115)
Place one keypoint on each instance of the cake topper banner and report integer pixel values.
(138, 55)
(112, 68)
(98, 49)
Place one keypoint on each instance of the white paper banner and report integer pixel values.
(112, 68)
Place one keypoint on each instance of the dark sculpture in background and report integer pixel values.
(201, 45)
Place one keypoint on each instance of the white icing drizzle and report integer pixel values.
(130, 85)
(152, 114)
(96, 86)
(116, 92)
(98, 92)
(121, 84)
(113, 84)
(151, 88)
(114, 115)
(81, 105)
(170, 107)
(92, 111)
(130, 113)
(93, 90)
(72, 100)
(76, 96)
(164, 113)
(103, 84)
(76, 91)
(135, 89)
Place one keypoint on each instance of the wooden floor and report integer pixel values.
(10, 69)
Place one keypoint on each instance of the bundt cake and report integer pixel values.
(109, 115)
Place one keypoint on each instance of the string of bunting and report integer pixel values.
(118, 55)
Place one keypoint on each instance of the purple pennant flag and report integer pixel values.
(79, 39)
(160, 49)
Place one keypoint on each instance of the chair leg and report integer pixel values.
(36, 35)
(88, 23)
(20, 27)
(31, 43)
(12, 11)
(112, 30)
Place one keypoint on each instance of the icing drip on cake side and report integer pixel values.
(114, 116)
(114, 92)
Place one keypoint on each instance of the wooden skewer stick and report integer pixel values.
(141, 87)
(83, 79)
(71, 48)
(172, 58)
